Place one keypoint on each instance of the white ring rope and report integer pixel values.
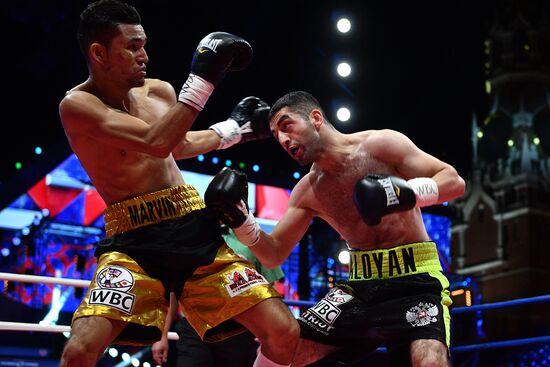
(22, 326)
(44, 280)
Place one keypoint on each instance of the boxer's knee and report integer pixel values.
(429, 353)
(77, 353)
(281, 338)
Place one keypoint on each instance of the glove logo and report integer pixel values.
(211, 44)
(422, 315)
(391, 195)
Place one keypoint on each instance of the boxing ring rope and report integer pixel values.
(44, 280)
(456, 310)
(491, 306)
(24, 326)
(20, 326)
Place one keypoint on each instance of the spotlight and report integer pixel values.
(343, 25)
(343, 114)
(343, 69)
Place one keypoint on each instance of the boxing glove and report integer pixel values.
(377, 195)
(216, 54)
(247, 122)
(227, 197)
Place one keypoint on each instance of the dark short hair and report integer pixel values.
(299, 102)
(99, 21)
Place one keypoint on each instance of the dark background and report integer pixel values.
(418, 67)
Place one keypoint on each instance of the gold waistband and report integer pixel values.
(151, 208)
(413, 258)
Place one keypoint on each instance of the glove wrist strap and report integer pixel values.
(229, 133)
(249, 232)
(426, 190)
(195, 92)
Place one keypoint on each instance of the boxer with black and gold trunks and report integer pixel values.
(149, 237)
(392, 296)
(128, 131)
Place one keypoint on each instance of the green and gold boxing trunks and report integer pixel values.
(167, 241)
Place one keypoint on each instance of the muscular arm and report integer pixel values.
(195, 143)
(246, 122)
(84, 114)
(410, 162)
(273, 249)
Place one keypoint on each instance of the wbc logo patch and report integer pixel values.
(114, 283)
(323, 315)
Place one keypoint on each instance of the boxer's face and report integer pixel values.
(298, 136)
(125, 58)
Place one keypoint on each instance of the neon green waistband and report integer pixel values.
(413, 258)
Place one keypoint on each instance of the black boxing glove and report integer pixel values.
(219, 52)
(216, 54)
(377, 195)
(247, 122)
(227, 197)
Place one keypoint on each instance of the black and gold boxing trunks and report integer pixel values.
(167, 241)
